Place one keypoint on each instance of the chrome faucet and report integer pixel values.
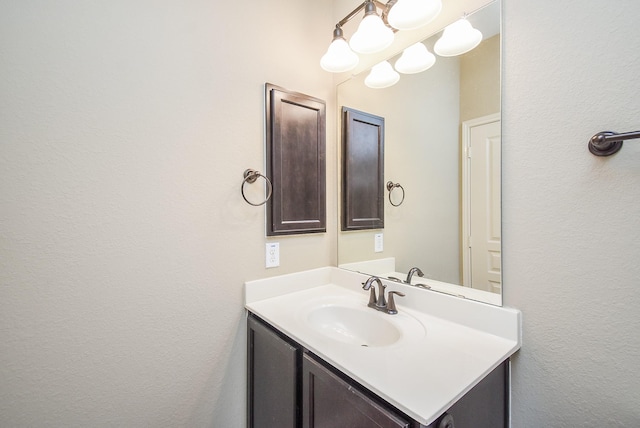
(375, 302)
(412, 271)
(379, 302)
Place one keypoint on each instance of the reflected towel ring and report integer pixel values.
(250, 176)
(390, 187)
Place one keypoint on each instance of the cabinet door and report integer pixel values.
(485, 406)
(296, 162)
(362, 170)
(272, 378)
(331, 402)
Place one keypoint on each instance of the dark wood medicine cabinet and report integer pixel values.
(296, 162)
(362, 170)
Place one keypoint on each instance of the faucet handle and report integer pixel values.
(391, 303)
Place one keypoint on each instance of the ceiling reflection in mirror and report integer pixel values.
(442, 146)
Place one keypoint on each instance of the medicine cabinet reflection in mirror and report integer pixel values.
(431, 120)
(362, 170)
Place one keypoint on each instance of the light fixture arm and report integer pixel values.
(385, 11)
(369, 6)
(351, 15)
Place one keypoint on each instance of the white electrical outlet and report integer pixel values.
(273, 254)
(378, 243)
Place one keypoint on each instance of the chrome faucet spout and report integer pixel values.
(412, 271)
(380, 301)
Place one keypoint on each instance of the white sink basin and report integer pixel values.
(350, 321)
(356, 326)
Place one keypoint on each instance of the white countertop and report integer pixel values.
(458, 343)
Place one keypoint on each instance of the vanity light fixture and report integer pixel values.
(382, 75)
(376, 30)
(458, 38)
(415, 59)
(373, 35)
(339, 57)
(412, 14)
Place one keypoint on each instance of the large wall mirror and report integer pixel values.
(442, 145)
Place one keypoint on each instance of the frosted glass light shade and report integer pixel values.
(458, 38)
(339, 57)
(414, 59)
(412, 14)
(372, 35)
(382, 75)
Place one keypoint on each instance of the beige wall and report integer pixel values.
(480, 80)
(125, 127)
(124, 131)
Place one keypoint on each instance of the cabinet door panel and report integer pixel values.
(330, 402)
(485, 406)
(296, 162)
(272, 379)
(362, 170)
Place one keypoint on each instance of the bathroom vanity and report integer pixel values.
(319, 357)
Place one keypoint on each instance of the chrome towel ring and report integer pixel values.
(390, 187)
(250, 176)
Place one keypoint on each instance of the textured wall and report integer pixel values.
(124, 242)
(571, 223)
(124, 130)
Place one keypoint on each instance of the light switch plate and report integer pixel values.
(378, 243)
(273, 254)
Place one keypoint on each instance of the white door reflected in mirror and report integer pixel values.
(481, 203)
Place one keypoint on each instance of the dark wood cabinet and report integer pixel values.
(486, 405)
(273, 383)
(296, 162)
(329, 401)
(362, 170)
(288, 386)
